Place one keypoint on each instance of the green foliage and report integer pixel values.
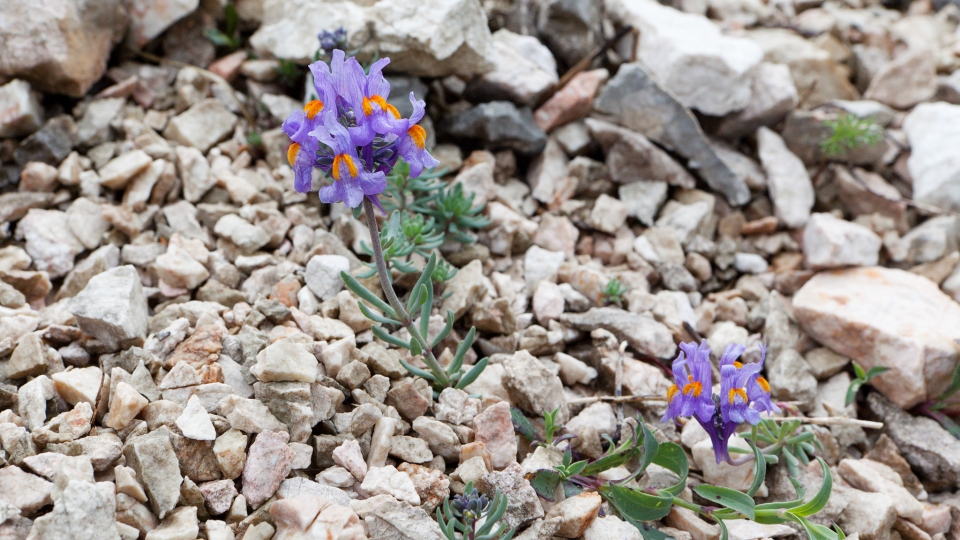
(640, 507)
(229, 37)
(420, 301)
(473, 516)
(551, 425)
(403, 236)
(254, 139)
(849, 132)
(862, 378)
(794, 442)
(613, 292)
(288, 73)
(456, 215)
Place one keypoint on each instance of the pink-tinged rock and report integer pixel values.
(885, 317)
(494, 429)
(26, 491)
(573, 101)
(575, 514)
(149, 18)
(268, 463)
(218, 495)
(228, 66)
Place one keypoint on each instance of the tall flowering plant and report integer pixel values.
(744, 393)
(355, 138)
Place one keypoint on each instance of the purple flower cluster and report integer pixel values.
(744, 393)
(352, 134)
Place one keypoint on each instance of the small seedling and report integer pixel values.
(849, 132)
(229, 37)
(614, 291)
(862, 378)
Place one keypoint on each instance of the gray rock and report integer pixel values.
(158, 470)
(202, 125)
(94, 127)
(524, 70)
(322, 275)
(931, 129)
(290, 403)
(523, 504)
(498, 125)
(791, 378)
(532, 387)
(829, 242)
(643, 199)
(113, 308)
(637, 102)
(773, 96)
(51, 144)
(642, 333)
(49, 241)
(933, 454)
(84, 510)
(26, 491)
(247, 236)
(787, 179)
(803, 131)
(570, 28)
(632, 157)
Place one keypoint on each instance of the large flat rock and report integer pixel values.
(885, 317)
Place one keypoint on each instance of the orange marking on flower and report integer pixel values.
(694, 387)
(343, 159)
(737, 365)
(418, 135)
(392, 110)
(313, 108)
(292, 153)
(734, 392)
(672, 392)
(763, 384)
(367, 106)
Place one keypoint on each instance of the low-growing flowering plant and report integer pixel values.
(744, 393)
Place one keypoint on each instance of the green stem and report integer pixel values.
(677, 501)
(383, 272)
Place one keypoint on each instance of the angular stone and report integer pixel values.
(907, 80)
(323, 275)
(78, 385)
(523, 505)
(246, 236)
(32, 400)
(195, 422)
(932, 130)
(829, 242)
(119, 170)
(442, 438)
(84, 510)
(26, 491)
(157, 468)
(773, 95)
(575, 514)
(29, 358)
(285, 361)
(268, 463)
(248, 415)
(875, 317)
(50, 243)
(231, 451)
(498, 125)
(637, 102)
(787, 179)
(394, 519)
(201, 126)
(125, 404)
(875, 477)
(22, 112)
(642, 333)
(390, 481)
(181, 524)
(218, 495)
(632, 157)
(112, 307)
(494, 428)
(705, 69)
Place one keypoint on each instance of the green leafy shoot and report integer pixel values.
(862, 378)
(792, 441)
(849, 132)
(403, 236)
(456, 215)
(473, 516)
(229, 37)
(288, 73)
(614, 291)
(551, 425)
(254, 139)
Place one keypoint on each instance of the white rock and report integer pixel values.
(830, 242)
(869, 475)
(119, 170)
(178, 269)
(195, 423)
(524, 68)
(933, 130)
(78, 385)
(125, 404)
(541, 264)
(389, 481)
(149, 18)
(22, 113)
(749, 263)
(773, 95)
(690, 57)
(86, 222)
(245, 235)
(285, 361)
(112, 307)
(573, 371)
(38, 177)
(202, 125)
(322, 275)
(50, 243)
(909, 79)
(547, 302)
(881, 317)
(609, 526)
(744, 529)
(643, 199)
(432, 38)
(787, 179)
(608, 214)
(349, 456)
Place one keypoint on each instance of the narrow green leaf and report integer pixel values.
(724, 533)
(368, 313)
(415, 348)
(425, 309)
(462, 349)
(728, 498)
(472, 375)
(861, 374)
(576, 468)
(445, 332)
(820, 499)
(608, 462)
(391, 339)
(417, 297)
(637, 505)
(875, 371)
(759, 471)
(418, 372)
(365, 293)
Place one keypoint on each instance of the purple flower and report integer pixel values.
(744, 394)
(366, 95)
(351, 181)
(412, 140)
(302, 153)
